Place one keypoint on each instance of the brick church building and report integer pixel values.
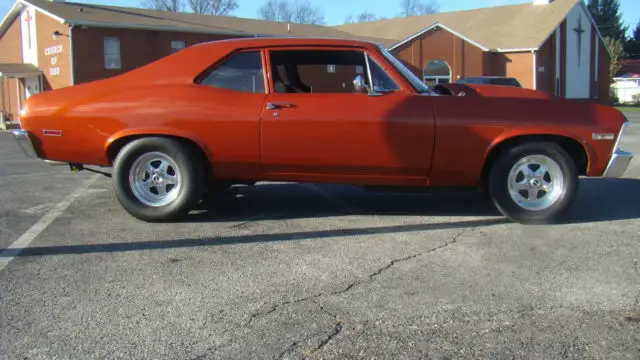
(549, 45)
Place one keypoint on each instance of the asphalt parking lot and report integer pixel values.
(313, 271)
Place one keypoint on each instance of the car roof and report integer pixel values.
(286, 41)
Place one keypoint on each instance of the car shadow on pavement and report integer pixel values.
(606, 199)
(294, 201)
(242, 239)
(599, 199)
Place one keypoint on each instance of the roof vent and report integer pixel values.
(542, 2)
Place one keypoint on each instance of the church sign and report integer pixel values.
(52, 52)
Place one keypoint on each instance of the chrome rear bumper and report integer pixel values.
(24, 141)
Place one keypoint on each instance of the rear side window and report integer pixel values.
(240, 72)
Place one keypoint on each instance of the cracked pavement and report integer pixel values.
(285, 271)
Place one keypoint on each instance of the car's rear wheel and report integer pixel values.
(157, 179)
(534, 182)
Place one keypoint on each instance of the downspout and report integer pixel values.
(4, 109)
(71, 68)
(19, 95)
(535, 72)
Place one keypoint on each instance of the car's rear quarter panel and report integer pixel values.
(227, 131)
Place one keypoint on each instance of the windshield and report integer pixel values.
(414, 80)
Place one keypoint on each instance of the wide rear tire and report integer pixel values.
(533, 183)
(158, 179)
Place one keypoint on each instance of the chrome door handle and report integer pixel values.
(277, 105)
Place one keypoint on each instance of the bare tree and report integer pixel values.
(362, 17)
(213, 7)
(288, 11)
(418, 7)
(166, 5)
(305, 13)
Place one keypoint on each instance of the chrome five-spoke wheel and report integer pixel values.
(158, 179)
(155, 179)
(535, 182)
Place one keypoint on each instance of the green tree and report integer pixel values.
(608, 18)
(632, 46)
(617, 55)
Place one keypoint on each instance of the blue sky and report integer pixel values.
(335, 11)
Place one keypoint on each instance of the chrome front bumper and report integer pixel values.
(618, 164)
(24, 141)
(620, 160)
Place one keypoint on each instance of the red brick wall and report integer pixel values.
(137, 48)
(518, 65)
(471, 60)
(10, 44)
(53, 55)
(464, 59)
(545, 58)
(604, 74)
(11, 52)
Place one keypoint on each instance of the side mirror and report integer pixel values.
(359, 85)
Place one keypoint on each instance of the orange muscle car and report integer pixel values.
(318, 110)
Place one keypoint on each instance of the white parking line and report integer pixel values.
(25, 239)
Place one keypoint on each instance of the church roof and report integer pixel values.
(521, 26)
(498, 28)
(139, 18)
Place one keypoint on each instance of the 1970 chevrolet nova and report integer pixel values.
(319, 110)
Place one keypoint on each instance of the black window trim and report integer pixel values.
(363, 51)
(197, 80)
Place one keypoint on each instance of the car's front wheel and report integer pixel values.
(157, 179)
(533, 182)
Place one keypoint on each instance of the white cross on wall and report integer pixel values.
(28, 19)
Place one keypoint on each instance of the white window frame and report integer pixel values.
(107, 52)
(437, 78)
(174, 48)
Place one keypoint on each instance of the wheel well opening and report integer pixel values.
(570, 145)
(118, 144)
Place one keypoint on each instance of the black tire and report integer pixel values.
(187, 163)
(499, 178)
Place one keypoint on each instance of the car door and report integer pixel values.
(223, 110)
(315, 123)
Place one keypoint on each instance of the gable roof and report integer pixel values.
(18, 69)
(136, 18)
(521, 26)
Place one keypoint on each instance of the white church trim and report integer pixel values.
(578, 55)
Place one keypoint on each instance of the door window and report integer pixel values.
(240, 72)
(324, 71)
